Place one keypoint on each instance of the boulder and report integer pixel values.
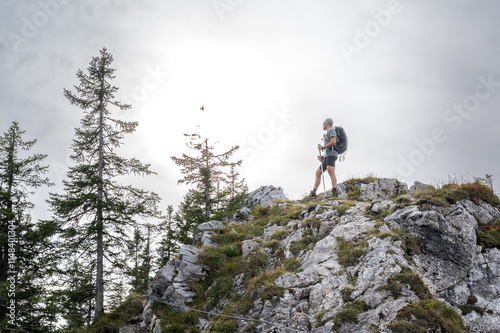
(448, 241)
(418, 186)
(205, 230)
(379, 207)
(483, 212)
(171, 282)
(382, 189)
(264, 195)
(249, 247)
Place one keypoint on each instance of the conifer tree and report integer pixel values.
(24, 251)
(168, 245)
(139, 252)
(189, 215)
(77, 300)
(237, 191)
(205, 171)
(96, 212)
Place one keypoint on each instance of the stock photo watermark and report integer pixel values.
(32, 25)
(371, 29)
(454, 117)
(224, 6)
(12, 273)
(151, 81)
(253, 144)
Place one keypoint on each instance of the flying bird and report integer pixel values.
(202, 108)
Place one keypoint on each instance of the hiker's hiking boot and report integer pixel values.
(313, 194)
(333, 193)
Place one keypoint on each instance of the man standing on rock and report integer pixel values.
(328, 160)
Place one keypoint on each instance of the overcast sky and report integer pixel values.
(415, 84)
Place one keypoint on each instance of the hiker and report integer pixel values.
(328, 159)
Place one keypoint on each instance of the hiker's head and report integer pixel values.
(328, 123)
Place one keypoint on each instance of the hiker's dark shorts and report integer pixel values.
(329, 160)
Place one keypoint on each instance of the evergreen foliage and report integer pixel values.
(25, 264)
(218, 192)
(168, 235)
(96, 212)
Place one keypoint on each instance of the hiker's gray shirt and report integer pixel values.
(330, 134)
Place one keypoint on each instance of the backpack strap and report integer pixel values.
(330, 139)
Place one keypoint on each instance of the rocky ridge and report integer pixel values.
(373, 263)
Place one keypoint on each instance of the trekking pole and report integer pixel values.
(322, 174)
(339, 189)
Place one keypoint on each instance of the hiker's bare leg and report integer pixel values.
(317, 180)
(331, 173)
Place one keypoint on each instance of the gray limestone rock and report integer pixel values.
(157, 326)
(249, 247)
(126, 329)
(448, 241)
(483, 212)
(264, 195)
(204, 231)
(417, 186)
(382, 189)
(378, 207)
(171, 282)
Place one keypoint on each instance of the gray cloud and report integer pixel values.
(393, 93)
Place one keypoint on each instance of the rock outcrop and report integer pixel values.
(348, 265)
(382, 189)
(264, 195)
(171, 282)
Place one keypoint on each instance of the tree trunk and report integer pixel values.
(169, 235)
(207, 183)
(99, 301)
(148, 256)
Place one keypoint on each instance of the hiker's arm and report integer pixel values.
(332, 143)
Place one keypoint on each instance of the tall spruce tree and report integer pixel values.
(24, 249)
(96, 212)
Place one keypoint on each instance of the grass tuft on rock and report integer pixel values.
(411, 279)
(350, 312)
(489, 235)
(410, 244)
(451, 193)
(427, 315)
(280, 234)
(226, 236)
(352, 187)
(304, 243)
(471, 306)
(174, 322)
(349, 252)
(342, 209)
(112, 321)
